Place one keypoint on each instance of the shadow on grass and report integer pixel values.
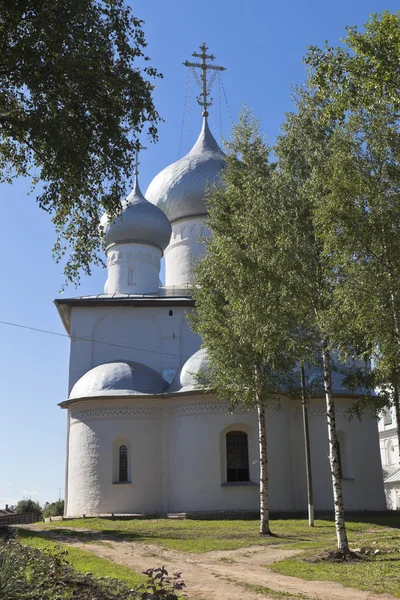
(71, 535)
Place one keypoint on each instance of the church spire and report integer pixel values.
(205, 85)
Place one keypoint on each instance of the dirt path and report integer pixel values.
(217, 575)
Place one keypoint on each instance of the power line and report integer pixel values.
(5, 409)
(85, 339)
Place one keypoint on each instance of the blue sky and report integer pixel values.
(261, 43)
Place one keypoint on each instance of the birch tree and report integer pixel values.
(250, 362)
(359, 219)
(302, 147)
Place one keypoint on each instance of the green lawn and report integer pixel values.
(203, 536)
(84, 561)
(380, 573)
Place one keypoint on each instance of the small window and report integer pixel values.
(387, 419)
(237, 456)
(123, 464)
(131, 276)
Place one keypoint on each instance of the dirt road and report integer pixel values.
(220, 575)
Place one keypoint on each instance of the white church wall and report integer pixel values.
(97, 429)
(133, 269)
(359, 453)
(195, 474)
(185, 245)
(149, 335)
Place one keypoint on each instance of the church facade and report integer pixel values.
(142, 438)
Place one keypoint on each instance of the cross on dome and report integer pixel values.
(138, 148)
(204, 66)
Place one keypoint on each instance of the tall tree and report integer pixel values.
(303, 145)
(75, 94)
(359, 218)
(249, 360)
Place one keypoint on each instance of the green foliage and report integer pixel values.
(28, 572)
(236, 282)
(27, 505)
(365, 71)
(53, 509)
(358, 217)
(75, 95)
(82, 561)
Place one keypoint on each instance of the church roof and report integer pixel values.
(119, 378)
(393, 477)
(140, 222)
(179, 190)
(168, 297)
(187, 379)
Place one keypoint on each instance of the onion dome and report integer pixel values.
(179, 189)
(119, 378)
(140, 222)
(187, 379)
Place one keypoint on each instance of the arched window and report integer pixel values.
(237, 456)
(123, 464)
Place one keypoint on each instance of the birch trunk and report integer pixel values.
(343, 544)
(304, 405)
(262, 439)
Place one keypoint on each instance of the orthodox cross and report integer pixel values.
(138, 148)
(204, 66)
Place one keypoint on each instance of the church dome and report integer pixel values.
(119, 378)
(180, 188)
(186, 380)
(140, 222)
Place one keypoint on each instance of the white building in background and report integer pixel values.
(141, 437)
(389, 447)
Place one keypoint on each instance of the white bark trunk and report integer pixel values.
(343, 544)
(262, 438)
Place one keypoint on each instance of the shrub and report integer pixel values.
(54, 509)
(29, 573)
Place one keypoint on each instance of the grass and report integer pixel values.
(380, 573)
(204, 536)
(266, 591)
(374, 574)
(85, 561)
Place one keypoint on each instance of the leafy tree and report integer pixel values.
(248, 357)
(302, 147)
(27, 505)
(75, 94)
(54, 509)
(359, 218)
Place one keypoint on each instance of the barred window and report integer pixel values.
(123, 464)
(237, 456)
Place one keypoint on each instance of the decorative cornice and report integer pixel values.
(116, 412)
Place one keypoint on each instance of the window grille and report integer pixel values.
(123, 464)
(237, 456)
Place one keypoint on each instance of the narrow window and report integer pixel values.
(131, 276)
(123, 464)
(237, 456)
(387, 419)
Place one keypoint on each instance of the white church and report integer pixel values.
(142, 438)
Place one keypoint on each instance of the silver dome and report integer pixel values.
(186, 380)
(140, 221)
(119, 378)
(180, 188)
